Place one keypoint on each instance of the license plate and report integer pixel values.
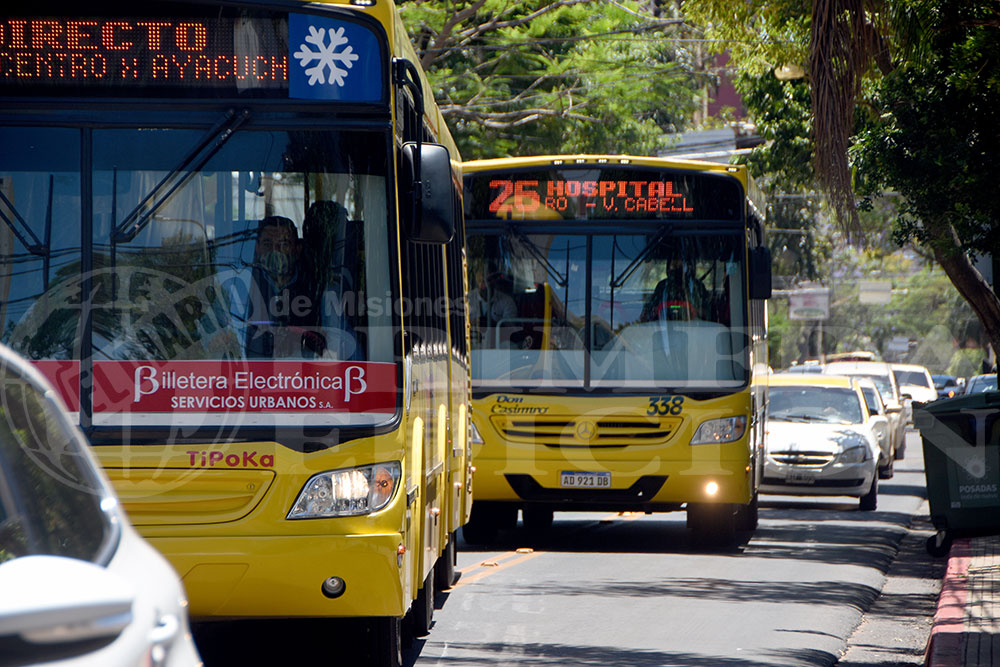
(801, 477)
(585, 480)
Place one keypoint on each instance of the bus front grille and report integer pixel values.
(562, 431)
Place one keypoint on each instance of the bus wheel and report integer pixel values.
(712, 524)
(422, 611)
(748, 516)
(444, 568)
(385, 641)
(536, 518)
(486, 520)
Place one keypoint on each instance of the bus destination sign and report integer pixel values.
(598, 194)
(274, 56)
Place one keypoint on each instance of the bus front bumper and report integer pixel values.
(641, 486)
(267, 577)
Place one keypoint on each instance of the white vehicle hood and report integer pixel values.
(817, 437)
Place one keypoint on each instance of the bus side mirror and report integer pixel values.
(760, 272)
(428, 214)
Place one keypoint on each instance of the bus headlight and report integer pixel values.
(714, 431)
(347, 492)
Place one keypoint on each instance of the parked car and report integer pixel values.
(916, 381)
(819, 439)
(977, 384)
(879, 421)
(880, 373)
(78, 585)
(946, 386)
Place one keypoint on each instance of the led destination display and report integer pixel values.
(140, 53)
(272, 55)
(597, 194)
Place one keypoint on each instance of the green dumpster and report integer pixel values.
(961, 438)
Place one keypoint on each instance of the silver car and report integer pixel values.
(78, 585)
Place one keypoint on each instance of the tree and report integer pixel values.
(904, 97)
(554, 76)
(932, 135)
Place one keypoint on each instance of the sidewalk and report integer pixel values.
(966, 630)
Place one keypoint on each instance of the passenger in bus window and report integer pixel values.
(678, 296)
(271, 304)
(492, 302)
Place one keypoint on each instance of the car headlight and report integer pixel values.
(714, 431)
(348, 492)
(854, 455)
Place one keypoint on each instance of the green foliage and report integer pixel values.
(932, 131)
(553, 76)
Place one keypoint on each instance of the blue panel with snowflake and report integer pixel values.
(331, 59)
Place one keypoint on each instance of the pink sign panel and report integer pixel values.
(229, 386)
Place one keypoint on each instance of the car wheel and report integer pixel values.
(869, 501)
(888, 470)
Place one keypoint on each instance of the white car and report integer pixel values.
(916, 382)
(879, 423)
(819, 441)
(896, 406)
(78, 585)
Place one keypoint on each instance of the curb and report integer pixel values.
(946, 644)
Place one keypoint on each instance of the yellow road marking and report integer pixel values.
(512, 558)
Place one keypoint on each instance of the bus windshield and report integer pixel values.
(249, 249)
(653, 310)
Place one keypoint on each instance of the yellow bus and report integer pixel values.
(231, 234)
(618, 340)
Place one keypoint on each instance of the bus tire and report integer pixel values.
(444, 568)
(486, 520)
(537, 518)
(712, 525)
(748, 516)
(422, 611)
(385, 641)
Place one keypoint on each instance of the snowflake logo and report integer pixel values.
(326, 55)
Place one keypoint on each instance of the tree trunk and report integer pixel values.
(946, 246)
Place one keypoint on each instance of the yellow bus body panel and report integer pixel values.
(541, 437)
(224, 528)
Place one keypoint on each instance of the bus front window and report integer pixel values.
(527, 308)
(261, 254)
(668, 311)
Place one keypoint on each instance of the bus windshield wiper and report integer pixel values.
(36, 247)
(620, 279)
(539, 256)
(202, 152)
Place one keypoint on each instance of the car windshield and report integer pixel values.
(829, 405)
(653, 310)
(50, 497)
(982, 383)
(256, 249)
(913, 378)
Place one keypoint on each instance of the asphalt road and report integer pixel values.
(819, 583)
(607, 589)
